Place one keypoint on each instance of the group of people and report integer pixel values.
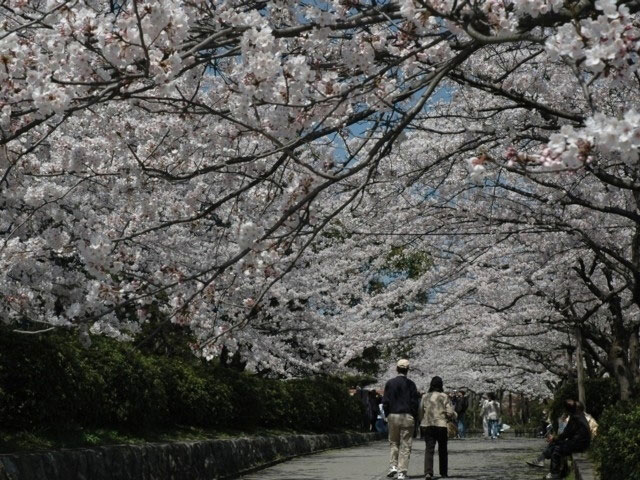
(375, 418)
(491, 413)
(402, 405)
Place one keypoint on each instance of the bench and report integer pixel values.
(583, 467)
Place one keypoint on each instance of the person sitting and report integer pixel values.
(576, 437)
(546, 453)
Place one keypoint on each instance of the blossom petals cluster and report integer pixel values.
(610, 42)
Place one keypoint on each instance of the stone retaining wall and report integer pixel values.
(203, 460)
(584, 469)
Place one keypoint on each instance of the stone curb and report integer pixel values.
(202, 460)
(583, 467)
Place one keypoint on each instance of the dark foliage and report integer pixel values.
(49, 381)
(617, 445)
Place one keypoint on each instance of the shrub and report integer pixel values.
(277, 401)
(617, 446)
(51, 382)
(193, 397)
(342, 409)
(43, 381)
(132, 391)
(247, 398)
(323, 404)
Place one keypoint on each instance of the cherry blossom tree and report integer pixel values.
(250, 170)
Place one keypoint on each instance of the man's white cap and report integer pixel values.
(403, 363)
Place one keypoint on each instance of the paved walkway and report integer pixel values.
(469, 459)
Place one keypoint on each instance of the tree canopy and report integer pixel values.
(301, 181)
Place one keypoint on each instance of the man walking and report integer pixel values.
(400, 403)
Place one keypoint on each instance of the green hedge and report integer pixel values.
(50, 381)
(616, 448)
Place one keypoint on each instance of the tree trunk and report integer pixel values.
(634, 358)
(510, 405)
(580, 368)
(619, 369)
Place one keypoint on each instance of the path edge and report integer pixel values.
(219, 459)
(583, 467)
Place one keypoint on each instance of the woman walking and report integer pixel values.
(491, 411)
(435, 410)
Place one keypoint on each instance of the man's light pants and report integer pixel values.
(400, 437)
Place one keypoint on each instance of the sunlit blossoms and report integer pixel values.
(610, 41)
(302, 181)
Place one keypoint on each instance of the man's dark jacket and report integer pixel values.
(400, 396)
(576, 432)
(461, 405)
